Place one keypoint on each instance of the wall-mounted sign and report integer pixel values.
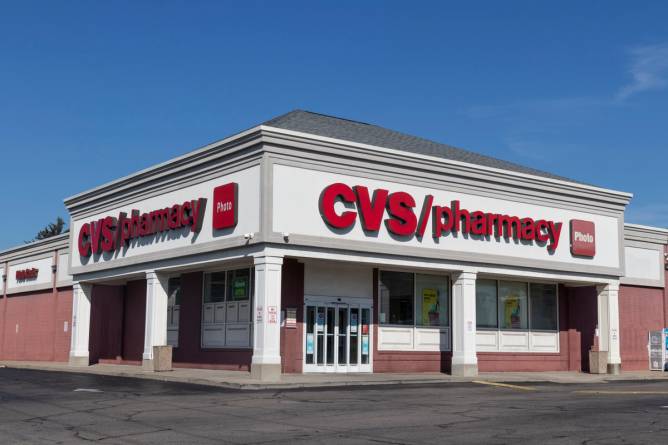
(583, 238)
(27, 274)
(109, 233)
(225, 199)
(403, 221)
(272, 315)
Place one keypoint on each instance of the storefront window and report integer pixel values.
(431, 300)
(239, 284)
(513, 302)
(517, 305)
(226, 308)
(174, 291)
(543, 307)
(414, 299)
(214, 287)
(396, 298)
(486, 307)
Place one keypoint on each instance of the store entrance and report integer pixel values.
(337, 337)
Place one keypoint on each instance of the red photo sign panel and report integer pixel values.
(225, 206)
(583, 238)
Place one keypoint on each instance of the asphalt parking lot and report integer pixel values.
(54, 407)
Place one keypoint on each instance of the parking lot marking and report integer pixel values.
(504, 385)
(604, 392)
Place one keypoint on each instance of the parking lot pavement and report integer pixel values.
(54, 407)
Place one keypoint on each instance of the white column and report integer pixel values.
(81, 302)
(464, 357)
(155, 330)
(608, 324)
(266, 361)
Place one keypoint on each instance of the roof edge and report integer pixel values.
(395, 151)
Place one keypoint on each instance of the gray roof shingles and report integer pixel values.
(360, 132)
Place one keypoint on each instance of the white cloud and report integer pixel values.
(649, 69)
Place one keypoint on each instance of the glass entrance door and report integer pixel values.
(337, 338)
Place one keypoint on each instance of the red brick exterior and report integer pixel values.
(40, 317)
(641, 309)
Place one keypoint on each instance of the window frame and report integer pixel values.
(529, 328)
(224, 324)
(447, 276)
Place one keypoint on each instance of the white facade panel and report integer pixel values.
(333, 279)
(395, 338)
(296, 211)
(44, 274)
(643, 264)
(63, 268)
(248, 209)
(514, 341)
(487, 341)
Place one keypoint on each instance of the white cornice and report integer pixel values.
(154, 176)
(58, 242)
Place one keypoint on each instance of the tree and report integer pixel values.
(52, 229)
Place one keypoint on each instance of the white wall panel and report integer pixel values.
(296, 211)
(44, 276)
(332, 279)
(643, 264)
(395, 338)
(248, 218)
(63, 268)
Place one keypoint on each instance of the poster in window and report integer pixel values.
(240, 288)
(365, 345)
(353, 323)
(430, 309)
(365, 329)
(320, 323)
(309, 343)
(511, 312)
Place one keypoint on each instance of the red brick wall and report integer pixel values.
(190, 354)
(641, 309)
(40, 317)
(292, 296)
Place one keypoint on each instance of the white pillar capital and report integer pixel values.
(464, 354)
(82, 294)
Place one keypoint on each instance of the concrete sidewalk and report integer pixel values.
(243, 380)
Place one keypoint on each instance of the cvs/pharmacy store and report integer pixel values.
(317, 244)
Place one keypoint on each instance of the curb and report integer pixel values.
(259, 386)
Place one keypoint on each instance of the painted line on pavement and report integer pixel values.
(504, 385)
(605, 392)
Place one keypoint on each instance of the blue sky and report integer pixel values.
(92, 91)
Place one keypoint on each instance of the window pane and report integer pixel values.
(174, 291)
(544, 307)
(239, 282)
(513, 305)
(214, 290)
(432, 302)
(486, 307)
(396, 298)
